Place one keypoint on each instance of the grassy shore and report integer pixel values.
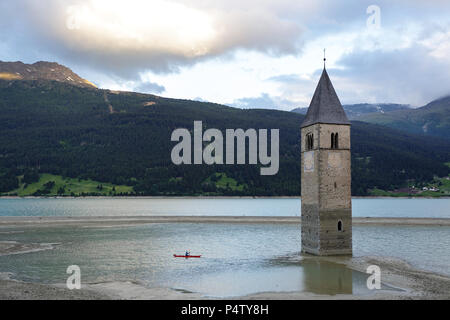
(53, 185)
(50, 185)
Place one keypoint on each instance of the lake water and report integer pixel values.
(237, 259)
(381, 207)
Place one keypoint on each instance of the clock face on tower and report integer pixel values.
(309, 161)
(334, 160)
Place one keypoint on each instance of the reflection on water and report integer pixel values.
(317, 277)
(304, 274)
(328, 278)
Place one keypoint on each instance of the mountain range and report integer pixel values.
(41, 70)
(53, 125)
(432, 119)
(355, 111)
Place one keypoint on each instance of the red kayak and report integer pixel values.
(177, 256)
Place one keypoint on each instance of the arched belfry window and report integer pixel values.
(339, 226)
(309, 141)
(334, 141)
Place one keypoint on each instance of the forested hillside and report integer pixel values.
(124, 139)
(432, 119)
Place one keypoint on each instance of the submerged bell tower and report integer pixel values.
(326, 174)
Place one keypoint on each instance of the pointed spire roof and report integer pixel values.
(325, 106)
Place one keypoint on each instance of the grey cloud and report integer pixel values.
(150, 87)
(200, 99)
(42, 28)
(285, 78)
(265, 101)
(34, 30)
(292, 78)
(409, 75)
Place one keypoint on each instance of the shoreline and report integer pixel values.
(110, 221)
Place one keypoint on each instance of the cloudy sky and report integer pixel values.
(252, 53)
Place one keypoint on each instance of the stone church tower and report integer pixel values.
(326, 175)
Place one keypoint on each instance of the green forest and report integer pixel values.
(55, 137)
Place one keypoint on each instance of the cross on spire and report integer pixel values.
(324, 58)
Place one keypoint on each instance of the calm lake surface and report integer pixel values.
(237, 259)
(381, 207)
